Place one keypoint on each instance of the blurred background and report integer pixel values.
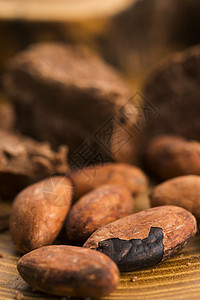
(133, 35)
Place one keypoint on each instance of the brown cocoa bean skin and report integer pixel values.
(182, 191)
(69, 271)
(175, 225)
(96, 209)
(126, 175)
(39, 211)
(170, 156)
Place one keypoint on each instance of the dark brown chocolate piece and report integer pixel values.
(173, 89)
(145, 238)
(68, 95)
(24, 161)
(69, 271)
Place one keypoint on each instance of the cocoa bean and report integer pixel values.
(89, 178)
(146, 238)
(170, 156)
(39, 211)
(97, 208)
(69, 271)
(182, 191)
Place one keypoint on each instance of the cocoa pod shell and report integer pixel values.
(39, 211)
(69, 271)
(96, 209)
(89, 178)
(182, 191)
(145, 238)
(24, 161)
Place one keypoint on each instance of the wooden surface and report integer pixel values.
(177, 278)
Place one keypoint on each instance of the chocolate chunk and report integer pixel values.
(173, 90)
(68, 95)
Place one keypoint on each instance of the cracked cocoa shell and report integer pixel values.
(66, 93)
(146, 238)
(96, 209)
(69, 271)
(39, 211)
(173, 89)
(182, 191)
(171, 156)
(24, 161)
(126, 175)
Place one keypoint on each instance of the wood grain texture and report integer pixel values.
(177, 278)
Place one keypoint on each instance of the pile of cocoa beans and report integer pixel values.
(74, 219)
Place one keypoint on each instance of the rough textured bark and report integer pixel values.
(133, 240)
(24, 161)
(87, 179)
(39, 211)
(173, 89)
(67, 94)
(182, 191)
(69, 271)
(96, 209)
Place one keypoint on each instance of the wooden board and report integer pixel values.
(177, 278)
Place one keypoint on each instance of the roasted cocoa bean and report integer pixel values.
(145, 238)
(172, 156)
(126, 175)
(182, 191)
(69, 271)
(39, 211)
(97, 208)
